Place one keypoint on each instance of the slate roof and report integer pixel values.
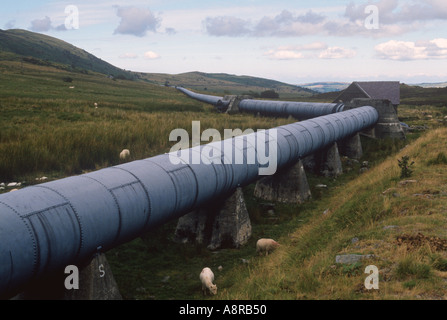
(374, 90)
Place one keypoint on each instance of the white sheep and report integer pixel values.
(207, 278)
(124, 154)
(266, 245)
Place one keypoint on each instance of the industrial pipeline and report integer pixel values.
(298, 110)
(218, 102)
(45, 227)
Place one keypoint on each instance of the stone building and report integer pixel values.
(382, 95)
(384, 90)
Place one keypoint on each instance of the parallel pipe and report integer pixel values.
(45, 227)
(214, 100)
(299, 110)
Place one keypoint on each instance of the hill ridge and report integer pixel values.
(37, 48)
(49, 50)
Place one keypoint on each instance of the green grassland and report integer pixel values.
(52, 127)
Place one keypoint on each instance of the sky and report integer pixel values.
(296, 42)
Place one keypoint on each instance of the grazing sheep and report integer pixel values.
(207, 278)
(266, 245)
(124, 154)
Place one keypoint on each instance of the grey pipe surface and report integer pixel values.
(48, 226)
(214, 100)
(299, 110)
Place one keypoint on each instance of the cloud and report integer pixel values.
(136, 21)
(61, 28)
(312, 50)
(170, 31)
(226, 26)
(10, 24)
(392, 11)
(288, 24)
(150, 55)
(128, 56)
(284, 54)
(409, 50)
(41, 25)
(437, 48)
(284, 24)
(395, 17)
(337, 53)
(45, 25)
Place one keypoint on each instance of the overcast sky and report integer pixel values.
(291, 41)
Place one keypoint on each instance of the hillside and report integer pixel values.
(396, 224)
(45, 50)
(411, 95)
(221, 83)
(417, 96)
(327, 87)
(432, 85)
(39, 49)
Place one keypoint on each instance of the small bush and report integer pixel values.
(409, 284)
(405, 166)
(67, 79)
(269, 94)
(408, 268)
(441, 158)
(352, 269)
(439, 263)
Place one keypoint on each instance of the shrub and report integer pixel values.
(408, 268)
(405, 167)
(439, 263)
(269, 94)
(441, 158)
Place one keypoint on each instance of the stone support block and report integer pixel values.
(223, 224)
(289, 186)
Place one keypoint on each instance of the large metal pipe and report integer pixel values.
(218, 102)
(299, 110)
(46, 227)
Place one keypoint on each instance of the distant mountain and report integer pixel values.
(221, 83)
(323, 87)
(45, 50)
(36, 48)
(431, 85)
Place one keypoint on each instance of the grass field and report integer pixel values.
(52, 127)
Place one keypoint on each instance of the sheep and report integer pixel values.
(266, 245)
(124, 154)
(207, 278)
